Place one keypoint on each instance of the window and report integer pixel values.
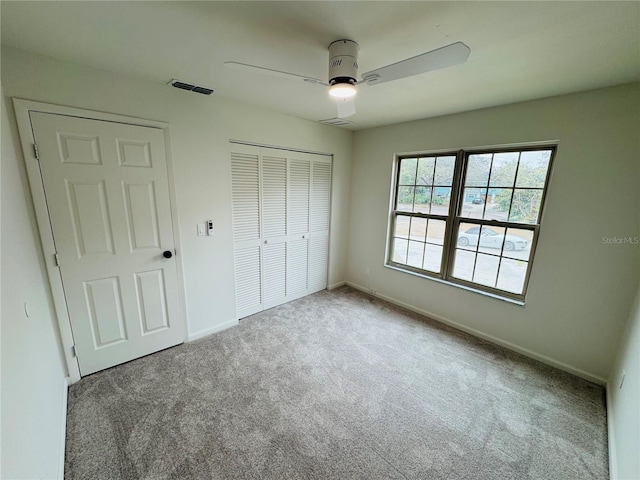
(471, 217)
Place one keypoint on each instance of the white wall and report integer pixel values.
(624, 403)
(201, 128)
(33, 380)
(580, 289)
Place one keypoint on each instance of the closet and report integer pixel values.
(281, 206)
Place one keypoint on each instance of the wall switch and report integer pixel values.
(201, 230)
(209, 227)
(366, 271)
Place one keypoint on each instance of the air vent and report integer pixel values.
(336, 122)
(203, 90)
(190, 87)
(183, 86)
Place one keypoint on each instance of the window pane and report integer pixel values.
(444, 171)
(425, 171)
(440, 200)
(491, 239)
(432, 258)
(518, 243)
(473, 202)
(418, 228)
(399, 252)
(405, 198)
(497, 205)
(408, 171)
(416, 251)
(532, 171)
(486, 271)
(463, 264)
(478, 170)
(435, 232)
(468, 235)
(525, 206)
(422, 200)
(402, 226)
(503, 170)
(512, 275)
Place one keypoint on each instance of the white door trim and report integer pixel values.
(22, 109)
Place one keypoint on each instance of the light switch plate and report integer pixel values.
(201, 230)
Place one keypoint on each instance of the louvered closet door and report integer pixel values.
(281, 207)
(319, 222)
(274, 226)
(298, 210)
(245, 190)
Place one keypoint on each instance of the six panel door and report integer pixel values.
(108, 197)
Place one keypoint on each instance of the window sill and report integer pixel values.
(513, 301)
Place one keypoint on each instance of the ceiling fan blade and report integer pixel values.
(245, 67)
(346, 107)
(435, 59)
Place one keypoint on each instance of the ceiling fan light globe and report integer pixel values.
(342, 90)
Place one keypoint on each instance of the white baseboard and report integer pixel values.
(613, 463)
(336, 285)
(208, 331)
(490, 338)
(63, 425)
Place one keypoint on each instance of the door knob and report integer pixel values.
(167, 254)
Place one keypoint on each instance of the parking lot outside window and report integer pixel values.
(470, 218)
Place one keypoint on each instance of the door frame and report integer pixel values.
(23, 108)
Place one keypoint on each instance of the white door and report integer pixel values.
(274, 226)
(247, 248)
(298, 220)
(108, 198)
(319, 224)
(281, 206)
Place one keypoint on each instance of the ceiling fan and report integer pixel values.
(343, 70)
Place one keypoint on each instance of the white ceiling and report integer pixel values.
(519, 50)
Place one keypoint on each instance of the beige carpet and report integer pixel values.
(336, 385)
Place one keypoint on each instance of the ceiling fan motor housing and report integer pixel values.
(343, 62)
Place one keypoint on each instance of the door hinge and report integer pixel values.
(74, 352)
(36, 152)
(57, 259)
